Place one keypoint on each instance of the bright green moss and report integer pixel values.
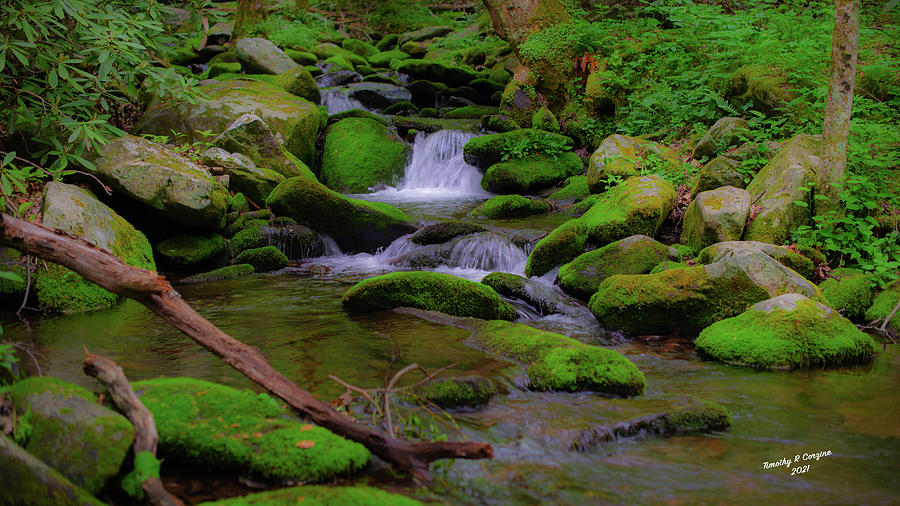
(786, 332)
(385, 58)
(59, 289)
(222, 273)
(266, 258)
(558, 363)
(431, 70)
(360, 153)
(319, 496)
(574, 188)
(359, 47)
(510, 206)
(402, 107)
(449, 393)
(487, 150)
(248, 238)
(219, 68)
(470, 112)
(883, 304)
(851, 293)
(544, 119)
(668, 265)
(244, 222)
(238, 204)
(504, 283)
(218, 427)
(444, 231)
(530, 174)
(301, 57)
(432, 291)
(187, 250)
(298, 81)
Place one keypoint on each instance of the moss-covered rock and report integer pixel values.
(298, 81)
(470, 112)
(766, 87)
(76, 211)
(319, 495)
(219, 68)
(384, 58)
(716, 216)
(621, 157)
(794, 261)
(293, 120)
(786, 332)
(544, 299)
(376, 95)
(248, 238)
(728, 168)
(218, 427)
(450, 393)
(266, 258)
(327, 50)
(544, 119)
(220, 274)
(499, 123)
(691, 299)
(187, 250)
(239, 203)
(783, 181)
(431, 291)
(12, 261)
(401, 108)
(558, 363)
(850, 291)
(360, 153)
(884, 304)
(356, 225)
(668, 265)
(163, 181)
(574, 188)
(246, 220)
(244, 176)
(444, 231)
(487, 150)
(432, 70)
(724, 133)
(359, 47)
(637, 254)
(431, 125)
(262, 56)
(637, 206)
(26, 479)
(530, 174)
(250, 136)
(301, 57)
(63, 425)
(510, 206)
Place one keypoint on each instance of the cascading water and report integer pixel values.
(335, 100)
(489, 252)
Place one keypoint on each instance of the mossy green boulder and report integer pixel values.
(487, 150)
(76, 211)
(244, 176)
(356, 225)
(384, 58)
(319, 495)
(728, 168)
(716, 216)
(163, 181)
(510, 206)
(359, 47)
(437, 233)
(637, 206)
(850, 291)
(691, 299)
(293, 120)
(360, 153)
(621, 157)
(786, 332)
(725, 133)
(265, 258)
(794, 261)
(262, 56)
(301, 57)
(531, 174)
(298, 81)
(187, 250)
(220, 274)
(637, 254)
(431, 291)
(63, 425)
(573, 189)
(558, 363)
(250, 136)
(222, 428)
(544, 119)
(782, 182)
(450, 393)
(433, 70)
(884, 304)
(470, 112)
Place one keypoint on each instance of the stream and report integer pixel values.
(294, 316)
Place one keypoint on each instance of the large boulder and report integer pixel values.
(298, 81)
(222, 428)
(790, 259)
(356, 225)
(782, 182)
(164, 182)
(531, 174)
(725, 133)
(76, 211)
(250, 136)
(850, 291)
(637, 206)
(728, 169)
(243, 175)
(431, 291)
(293, 120)
(70, 431)
(262, 56)
(432, 70)
(26, 479)
(637, 254)
(360, 153)
(621, 157)
(444, 231)
(543, 298)
(384, 58)
(690, 299)
(786, 332)
(487, 150)
(715, 216)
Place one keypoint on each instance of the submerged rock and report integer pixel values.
(531, 174)
(510, 206)
(76, 211)
(219, 427)
(26, 479)
(715, 216)
(444, 231)
(319, 495)
(558, 363)
(63, 425)
(786, 332)
(360, 153)
(431, 291)
(622, 157)
(637, 206)
(164, 182)
(450, 393)
(637, 254)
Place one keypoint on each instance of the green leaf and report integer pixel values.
(8, 158)
(11, 276)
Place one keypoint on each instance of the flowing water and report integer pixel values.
(336, 100)
(295, 318)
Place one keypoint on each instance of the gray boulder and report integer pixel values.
(378, 95)
(715, 216)
(250, 136)
(782, 255)
(244, 176)
(261, 56)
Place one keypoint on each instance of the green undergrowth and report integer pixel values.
(319, 496)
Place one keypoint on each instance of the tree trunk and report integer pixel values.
(515, 20)
(248, 12)
(838, 106)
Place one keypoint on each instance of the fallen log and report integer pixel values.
(154, 292)
(145, 436)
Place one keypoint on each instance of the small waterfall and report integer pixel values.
(437, 166)
(336, 100)
(488, 251)
(328, 246)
